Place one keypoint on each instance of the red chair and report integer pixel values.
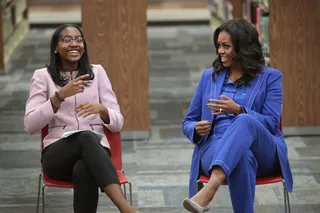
(116, 157)
(259, 181)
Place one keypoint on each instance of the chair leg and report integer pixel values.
(286, 197)
(43, 188)
(130, 192)
(39, 187)
(125, 190)
(288, 201)
(199, 186)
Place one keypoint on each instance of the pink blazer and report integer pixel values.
(39, 111)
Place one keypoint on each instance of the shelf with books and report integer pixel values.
(263, 4)
(257, 12)
(13, 28)
(220, 10)
(248, 7)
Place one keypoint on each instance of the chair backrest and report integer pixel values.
(114, 139)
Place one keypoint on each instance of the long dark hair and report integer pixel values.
(247, 50)
(55, 60)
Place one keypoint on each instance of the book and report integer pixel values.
(69, 133)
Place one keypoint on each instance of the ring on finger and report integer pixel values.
(220, 110)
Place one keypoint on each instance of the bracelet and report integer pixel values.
(54, 107)
(58, 96)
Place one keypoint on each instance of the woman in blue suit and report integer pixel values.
(234, 119)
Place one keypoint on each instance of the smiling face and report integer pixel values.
(70, 46)
(225, 48)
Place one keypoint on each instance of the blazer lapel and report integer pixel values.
(254, 88)
(216, 86)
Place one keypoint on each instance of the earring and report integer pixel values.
(55, 51)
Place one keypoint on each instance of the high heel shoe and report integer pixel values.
(193, 207)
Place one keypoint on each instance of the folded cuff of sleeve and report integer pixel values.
(113, 124)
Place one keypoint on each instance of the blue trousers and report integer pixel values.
(244, 151)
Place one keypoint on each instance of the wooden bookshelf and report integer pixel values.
(13, 27)
(221, 10)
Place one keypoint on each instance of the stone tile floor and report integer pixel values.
(159, 167)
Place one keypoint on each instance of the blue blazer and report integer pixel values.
(263, 101)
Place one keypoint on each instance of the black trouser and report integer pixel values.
(81, 158)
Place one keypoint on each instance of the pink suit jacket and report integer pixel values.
(39, 112)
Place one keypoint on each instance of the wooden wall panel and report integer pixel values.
(295, 50)
(236, 8)
(116, 32)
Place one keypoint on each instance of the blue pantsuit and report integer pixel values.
(244, 146)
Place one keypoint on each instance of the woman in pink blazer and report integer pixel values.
(76, 100)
